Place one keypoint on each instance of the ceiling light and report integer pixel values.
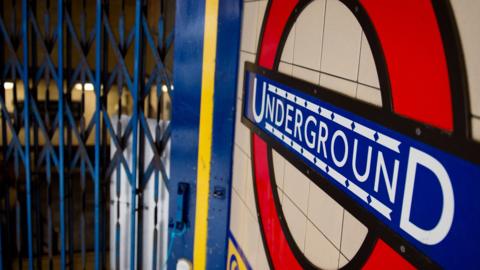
(164, 88)
(87, 86)
(8, 85)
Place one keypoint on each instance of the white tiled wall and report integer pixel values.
(353, 233)
(338, 84)
(326, 214)
(341, 46)
(468, 22)
(287, 54)
(466, 14)
(296, 186)
(306, 74)
(310, 52)
(367, 73)
(476, 128)
(319, 250)
(296, 221)
(326, 46)
(369, 94)
(249, 27)
(243, 219)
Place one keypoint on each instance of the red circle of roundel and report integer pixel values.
(410, 46)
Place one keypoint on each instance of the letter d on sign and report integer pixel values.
(438, 233)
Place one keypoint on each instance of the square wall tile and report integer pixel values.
(326, 214)
(237, 216)
(280, 195)
(261, 262)
(339, 85)
(244, 57)
(249, 27)
(252, 236)
(238, 110)
(342, 261)
(287, 53)
(319, 250)
(285, 68)
(296, 186)
(249, 191)
(262, 7)
(367, 72)
(240, 172)
(305, 74)
(369, 94)
(476, 128)
(466, 15)
(308, 36)
(354, 232)
(279, 167)
(242, 133)
(341, 41)
(296, 222)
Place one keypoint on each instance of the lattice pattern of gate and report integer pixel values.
(82, 84)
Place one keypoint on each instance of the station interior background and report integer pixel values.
(326, 46)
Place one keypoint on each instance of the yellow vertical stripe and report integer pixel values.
(205, 134)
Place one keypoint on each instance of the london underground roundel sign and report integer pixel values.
(408, 171)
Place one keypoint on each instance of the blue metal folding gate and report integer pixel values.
(49, 140)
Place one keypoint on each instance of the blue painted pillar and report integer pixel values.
(187, 79)
(228, 44)
(186, 99)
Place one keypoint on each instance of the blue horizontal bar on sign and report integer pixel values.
(418, 181)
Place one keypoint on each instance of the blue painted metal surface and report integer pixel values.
(228, 47)
(187, 79)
